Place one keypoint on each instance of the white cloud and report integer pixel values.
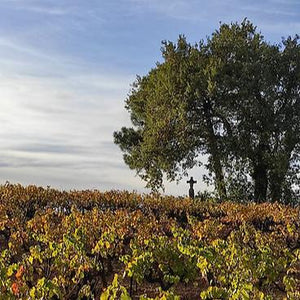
(64, 122)
(45, 10)
(58, 132)
(274, 16)
(43, 7)
(65, 72)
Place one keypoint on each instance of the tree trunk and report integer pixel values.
(260, 177)
(277, 176)
(276, 188)
(220, 180)
(260, 172)
(214, 152)
(280, 166)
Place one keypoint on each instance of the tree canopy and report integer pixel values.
(233, 97)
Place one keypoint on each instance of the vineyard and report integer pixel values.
(121, 245)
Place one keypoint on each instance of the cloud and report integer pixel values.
(58, 132)
(50, 148)
(275, 16)
(8, 44)
(43, 10)
(45, 7)
(62, 125)
(66, 69)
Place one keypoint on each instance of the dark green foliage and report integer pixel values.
(235, 98)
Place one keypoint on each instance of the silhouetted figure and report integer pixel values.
(191, 190)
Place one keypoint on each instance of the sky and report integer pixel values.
(66, 68)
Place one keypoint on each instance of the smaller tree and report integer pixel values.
(172, 111)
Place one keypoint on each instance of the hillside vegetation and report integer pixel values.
(121, 245)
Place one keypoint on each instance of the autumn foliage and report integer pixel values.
(121, 245)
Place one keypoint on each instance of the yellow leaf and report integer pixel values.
(104, 295)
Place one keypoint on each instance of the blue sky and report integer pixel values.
(65, 70)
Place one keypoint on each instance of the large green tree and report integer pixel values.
(260, 84)
(234, 98)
